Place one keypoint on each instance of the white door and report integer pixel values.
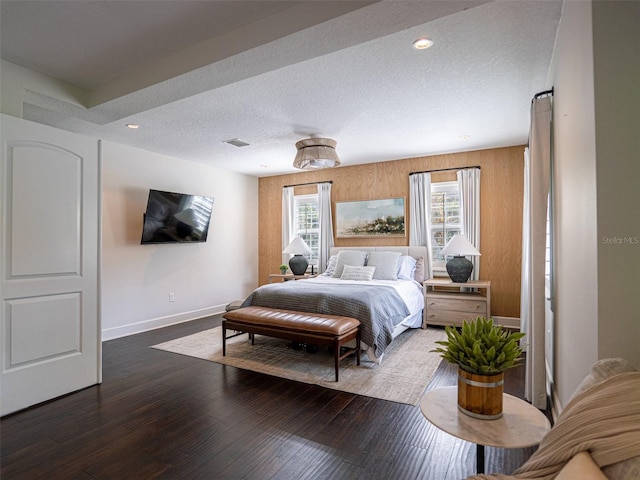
(50, 225)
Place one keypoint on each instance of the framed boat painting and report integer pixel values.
(370, 218)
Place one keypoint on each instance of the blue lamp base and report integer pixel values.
(298, 264)
(459, 269)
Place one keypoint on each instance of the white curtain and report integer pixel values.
(287, 220)
(537, 165)
(469, 186)
(326, 225)
(420, 215)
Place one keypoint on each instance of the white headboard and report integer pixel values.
(415, 252)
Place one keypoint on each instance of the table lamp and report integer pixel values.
(298, 264)
(459, 268)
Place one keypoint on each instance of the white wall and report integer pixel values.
(617, 106)
(576, 321)
(137, 279)
(596, 188)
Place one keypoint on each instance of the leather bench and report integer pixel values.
(314, 328)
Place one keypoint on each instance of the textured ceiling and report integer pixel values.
(193, 74)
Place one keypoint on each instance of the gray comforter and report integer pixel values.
(378, 308)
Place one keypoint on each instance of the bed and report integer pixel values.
(376, 285)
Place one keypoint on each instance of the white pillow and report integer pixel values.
(407, 267)
(351, 272)
(386, 264)
(356, 258)
(331, 266)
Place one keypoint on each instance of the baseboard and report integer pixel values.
(512, 323)
(160, 322)
(554, 407)
(552, 395)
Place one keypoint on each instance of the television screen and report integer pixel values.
(176, 218)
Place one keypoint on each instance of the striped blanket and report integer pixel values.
(603, 420)
(378, 308)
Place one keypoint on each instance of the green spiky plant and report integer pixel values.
(480, 347)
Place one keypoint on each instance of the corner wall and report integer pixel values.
(617, 107)
(576, 249)
(596, 188)
(137, 279)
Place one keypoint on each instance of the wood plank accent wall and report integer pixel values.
(501, 192)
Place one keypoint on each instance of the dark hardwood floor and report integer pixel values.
(159, 415)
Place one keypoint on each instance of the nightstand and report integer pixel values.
(289, 276)
(448, 303)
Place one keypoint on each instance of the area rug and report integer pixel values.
(403, 375)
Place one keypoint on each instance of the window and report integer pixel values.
(445, 218)
(307, 223)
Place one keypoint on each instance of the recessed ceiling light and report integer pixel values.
(464, 137)
(132, 126)
(422, 43)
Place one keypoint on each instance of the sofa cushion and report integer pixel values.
(605, 368)
(602, 369)
(623, 470)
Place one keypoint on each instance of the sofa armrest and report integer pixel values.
(581, 466)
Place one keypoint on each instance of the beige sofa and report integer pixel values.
(597, 435)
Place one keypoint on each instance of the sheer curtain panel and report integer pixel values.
(469, 186)
(420, 216)
(537, 165)
(287, 220)
(326, 225)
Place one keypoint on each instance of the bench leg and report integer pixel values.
(238, 333)
(224, 338)
(336, 350)
(339, 356)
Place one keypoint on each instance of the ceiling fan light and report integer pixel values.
(315, 153)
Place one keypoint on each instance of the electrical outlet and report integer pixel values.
(172, 297)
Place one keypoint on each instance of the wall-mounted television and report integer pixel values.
(176, 218)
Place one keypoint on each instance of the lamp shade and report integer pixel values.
(298, 264)
(316, 153)
(459, 268)
(297, 247)
(459, 246)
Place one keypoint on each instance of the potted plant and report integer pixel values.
(482, 351)
(283, 268)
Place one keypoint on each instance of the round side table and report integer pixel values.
(521, 425)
